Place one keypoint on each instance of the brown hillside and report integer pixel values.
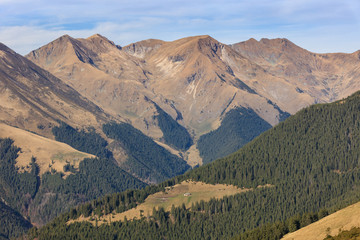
(343, 219)
(33, 99)
(99, 70)
(325, 77)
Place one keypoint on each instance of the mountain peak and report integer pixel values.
(196, 38)
(252, 40)
(100, 42)
(282, 43)
(64, 38)
(201, 42)
(97, 35)
(100, 39)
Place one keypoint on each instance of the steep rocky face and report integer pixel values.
(33, 99)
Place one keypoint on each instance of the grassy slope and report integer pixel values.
(343, 219)
(49, 153)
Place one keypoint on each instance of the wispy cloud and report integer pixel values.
(320, 26)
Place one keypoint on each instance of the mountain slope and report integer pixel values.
(103, 73)
(325, 77)
(49, 154)
(12, 224)
(197, 80)
(33, 99)
(40, 196)
(344, 219)
(310, 159)
(189, 79)
(240, 124)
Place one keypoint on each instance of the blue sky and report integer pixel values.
(316, 25)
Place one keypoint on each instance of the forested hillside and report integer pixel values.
(86, 141)
(174, 134)
(311, 161)
(239, 126)
(146, 159)
(12, 224)
(42, 199)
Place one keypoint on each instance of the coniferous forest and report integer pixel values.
(174, 134)
(309, 162)
(239, 126)
(14, 190)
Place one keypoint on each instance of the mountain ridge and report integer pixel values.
(199, 79)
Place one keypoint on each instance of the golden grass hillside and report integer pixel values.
(49, 153)
(344, 219)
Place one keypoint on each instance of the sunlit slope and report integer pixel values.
(49, 153)
(344, 219)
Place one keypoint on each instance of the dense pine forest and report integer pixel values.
(12, 223)
(175, 135)
(310, 162)
(239, 126)
(86, 141)
(16, 190)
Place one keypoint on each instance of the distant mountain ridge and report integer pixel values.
(35, 100)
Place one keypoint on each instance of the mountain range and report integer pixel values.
(197, 80)
(145, 112)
